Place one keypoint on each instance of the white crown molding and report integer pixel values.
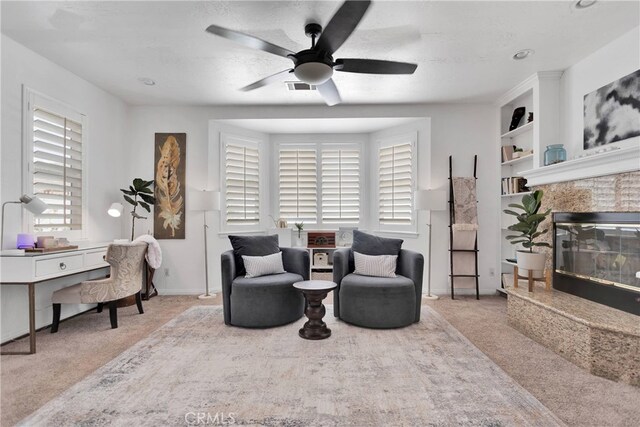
(527, 84)
(608, 163)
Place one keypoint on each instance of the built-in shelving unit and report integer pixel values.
(522, 159)
(519, 130)
(539, 94)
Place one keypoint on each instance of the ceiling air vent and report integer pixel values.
(299, 86)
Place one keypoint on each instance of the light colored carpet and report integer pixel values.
(425, 374)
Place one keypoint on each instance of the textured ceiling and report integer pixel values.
(463, 49)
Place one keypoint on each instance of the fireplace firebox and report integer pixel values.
(596, 256)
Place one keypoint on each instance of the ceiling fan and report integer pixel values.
(316, 65)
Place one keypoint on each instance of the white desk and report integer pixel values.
(30, 269)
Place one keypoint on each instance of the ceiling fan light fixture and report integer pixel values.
(313, 73)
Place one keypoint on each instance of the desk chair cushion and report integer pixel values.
(252, 246)
(69, 295)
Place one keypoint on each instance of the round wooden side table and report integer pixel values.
(315, 291)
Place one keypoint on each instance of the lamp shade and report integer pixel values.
(33, 204)
(115, 210)
(430, 200)
(204, 200)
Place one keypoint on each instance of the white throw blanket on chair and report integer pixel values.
(154, 253)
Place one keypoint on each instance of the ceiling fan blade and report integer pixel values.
(343, 23)
(249, 41)
(329, 92)
(374, 66)
(274, 78)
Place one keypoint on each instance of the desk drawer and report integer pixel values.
(59, 265)
(95, 258)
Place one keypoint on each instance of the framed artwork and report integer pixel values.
(612, 113)
(170, 186)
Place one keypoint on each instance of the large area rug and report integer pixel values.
(196, 371)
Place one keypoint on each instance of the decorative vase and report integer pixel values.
(298, 241)
(531, 261)
(554, 154)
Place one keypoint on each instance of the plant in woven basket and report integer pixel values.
(139, 194)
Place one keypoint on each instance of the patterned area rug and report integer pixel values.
(196, 371)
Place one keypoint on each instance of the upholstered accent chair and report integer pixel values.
(264, 301)
(127, 275)
(377, 302)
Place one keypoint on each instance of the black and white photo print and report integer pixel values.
(612, 113)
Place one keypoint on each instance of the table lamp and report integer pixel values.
(30, 203)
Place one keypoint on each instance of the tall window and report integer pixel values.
(56, 165)
(242, 183)
(395, 184)
(341, 186)
(298, 185)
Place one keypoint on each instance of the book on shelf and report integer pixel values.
(514, 185)
(507, 153)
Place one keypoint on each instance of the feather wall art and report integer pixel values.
(170, 156)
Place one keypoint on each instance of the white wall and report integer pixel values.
(105, 142)
(460, 130)
(607, 64)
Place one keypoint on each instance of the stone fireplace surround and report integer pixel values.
(598, 338)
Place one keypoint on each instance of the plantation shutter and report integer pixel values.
(396, 184)
(57, 171)
(340, 186)
(298, 185)
(242, 183)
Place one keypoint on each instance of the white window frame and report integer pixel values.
(318, 144)
(411, 138)
(242, 141)
(32, 98)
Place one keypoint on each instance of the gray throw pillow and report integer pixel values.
(369, 244)
(252, 246)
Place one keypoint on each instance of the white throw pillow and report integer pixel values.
(375, 265)
(257, 266)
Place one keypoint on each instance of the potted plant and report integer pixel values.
(139, 188)
(526, 227)
(300, 227)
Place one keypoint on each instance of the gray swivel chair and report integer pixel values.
(378, 302)
(265, 301)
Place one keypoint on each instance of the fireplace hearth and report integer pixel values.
(596, 256)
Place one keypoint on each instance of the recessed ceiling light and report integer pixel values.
(583, 4)
(147, 81)
(522, 54)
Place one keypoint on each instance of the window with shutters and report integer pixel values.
(241, 183)
(396, 183)
(319, 183)
(298, 179)
(340, 186)
(56, 147)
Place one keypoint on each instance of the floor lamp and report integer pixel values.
(30, 203)
(205, 201)
(430, 200)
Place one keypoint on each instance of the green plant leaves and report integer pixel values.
(528, 220)
(149, 199)
(131, 193)
(145, 206)
(130, 200)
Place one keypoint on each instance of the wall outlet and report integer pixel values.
(166, 272)
(492, 272)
